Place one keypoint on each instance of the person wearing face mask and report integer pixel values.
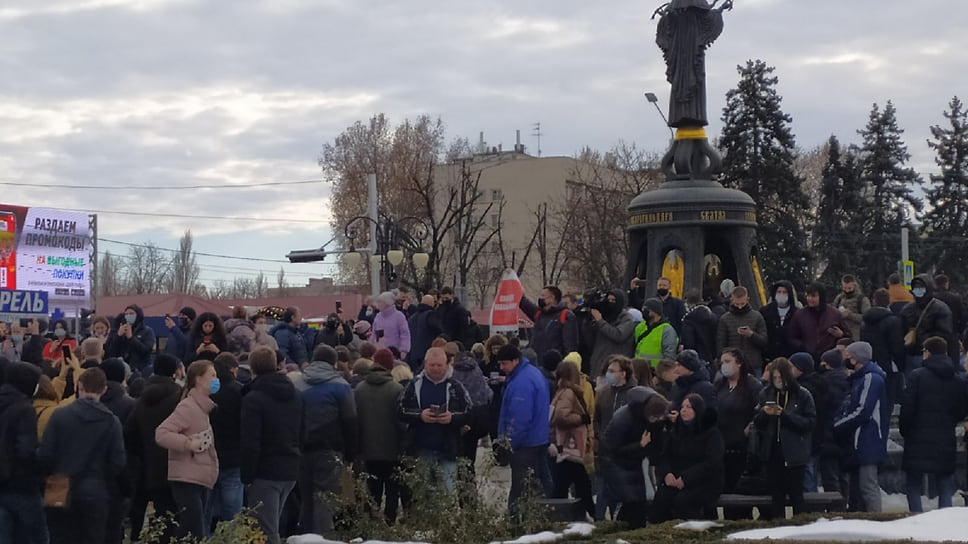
(778, 315)
(28, 342)
(61, 337)
(178, 329)
(555, 326)
(785, 418)
(131, 340)
(927, 316)
(619, 380)
(862, 427)
(699, 327)
(674, 309)
(262, 336)
(655, 338)
(21, 479)
(192, 459)
(743, 328)
(612, 330)
(736, 396)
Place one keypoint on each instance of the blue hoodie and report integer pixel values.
(863, 424)
(525, 408)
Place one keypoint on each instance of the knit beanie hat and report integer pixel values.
(384, 358)
(689, 358)
(726, 287)
(361, 327)
(833, 358)
(188, 312)
(551, 359)
(653, 304)
(803, 361)
(23, 377)
(113, 368)
(860, 352)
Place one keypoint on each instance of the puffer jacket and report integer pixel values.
(155, 404)
(568, 412)
(864, 420)
(620, 450)
(751, 346)
(240, 335)
(136, 351)
(189, 419)
(555, 327)
(936, 321)
(380, 430)
(271, 427)
(698, 383)
(793, 430)
(933, 404)
(777, 328)
(525, 407)
(695, 454)
(884, 331)
(614, 334)
(329, 411)
(293, 342)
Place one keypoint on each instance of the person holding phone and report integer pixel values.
(207, 334)
(743, 328)
(131, 340)
(390, 327)
(62, 338)
(785, 417)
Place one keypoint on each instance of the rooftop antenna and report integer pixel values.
(537, 132)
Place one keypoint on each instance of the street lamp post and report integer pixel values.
(393, 236)
(654, 100)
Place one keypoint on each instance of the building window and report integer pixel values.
(496, 194)
(495, 220)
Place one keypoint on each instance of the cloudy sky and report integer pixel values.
(177, 93)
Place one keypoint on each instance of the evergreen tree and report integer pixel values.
(836, 239)
(946, 225)
(888, 190)
(759, 153)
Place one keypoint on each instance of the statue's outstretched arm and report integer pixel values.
(661, 10)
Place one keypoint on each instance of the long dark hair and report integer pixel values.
(744, 371)
(218, 333)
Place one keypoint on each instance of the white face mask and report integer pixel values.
(779, 385)
(728, 370)
(782, 299)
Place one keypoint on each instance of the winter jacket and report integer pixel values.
(959, 317)
(837, 389)
(271, 427)
(226, 421)
(293, 342)
(190, 419)
(568, 412)
(699, 327)
(814, 383)
(457, 402)
(698, 383)
(751, 346)
(136, 351)
(646, 343)
(424, 328)
(525, 407)
(453, 319)
(240, 336)
(932, 405)
(329, 411)
(381, 432)
(177, 343)
(936, 320)
(83, 441)
(555, 327)
(156, 403)
(390, 329)
(694, 453)
(810, 326)
(899, 297)
(863, 423)
(612, 337)
(856, 305)
(777, 327)
(608, 401)
(18, 443)
(469, 374)
(44, 409)
(332, 336)
(792, 431)
(118, 401)
(620, 450)
(884, 331)
(736, 409)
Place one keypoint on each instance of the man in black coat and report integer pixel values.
(884, 331)
(121, 405)
(424, 328)
(454, 318)
(959, 316)
(928, 316)
(692, 378)
(699, 327)
(226, 499)
(778, 315)
(934, 402)
(158, 400)
(21, 480)
(271, 427)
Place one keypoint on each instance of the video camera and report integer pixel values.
(592, 300)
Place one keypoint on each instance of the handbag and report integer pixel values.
(57, 491)
(911, 337)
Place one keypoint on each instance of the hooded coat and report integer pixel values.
(620, 450)
(136, 351)
(864, 420)
(792, 431)
(694, 452)
(240, 335)
(226, 420)
(698, 383)
(84, 441)
(936, 320)
(329, 411)
(884, 331)
(118, 401)
(18, 434)
(699, 327)
(933, 404)
(271, 422)
(156, 403)
(380, 430)
(614, 334)
(293, 342)
(424, 328)
(751, 346)
(809, 328)
(469, 374)
(778, 329)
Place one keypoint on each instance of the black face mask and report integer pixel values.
(541, 303)
(662, 292)
(331, 325)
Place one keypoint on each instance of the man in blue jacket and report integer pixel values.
(523, 423)
(862, 427)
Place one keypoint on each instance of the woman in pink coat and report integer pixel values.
(192, 461)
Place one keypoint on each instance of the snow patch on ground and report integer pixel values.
(697, 525)
(949, 524)
(573, 529)
(316, 539)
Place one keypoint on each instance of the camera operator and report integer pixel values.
(555, 326)
(611, 329)
(334, 332)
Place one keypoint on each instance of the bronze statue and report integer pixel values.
(686, 29)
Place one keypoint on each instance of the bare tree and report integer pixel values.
(261, 287)
(111, 281)
(147, 269)
(281, 283)
(184, 268)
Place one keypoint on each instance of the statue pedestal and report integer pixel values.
(713, 228)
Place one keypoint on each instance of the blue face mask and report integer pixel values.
(16, 337)
(214, 386)
(611, 378)
(919, 292)
(130, 318)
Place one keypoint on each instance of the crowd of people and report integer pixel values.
(643, 411)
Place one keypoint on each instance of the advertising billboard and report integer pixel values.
(43, 249)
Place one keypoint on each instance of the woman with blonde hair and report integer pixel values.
(192, 459)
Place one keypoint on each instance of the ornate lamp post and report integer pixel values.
(393, 238)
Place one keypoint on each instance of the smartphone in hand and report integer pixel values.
(66, 352)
